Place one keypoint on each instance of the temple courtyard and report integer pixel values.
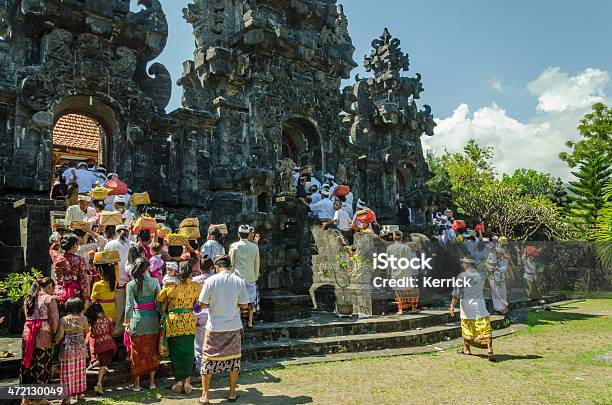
(561, 355)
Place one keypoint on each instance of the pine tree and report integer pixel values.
(603, 232)
(587, 193)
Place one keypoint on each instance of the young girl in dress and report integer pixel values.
(156, 264)
(73, 355)
(103, 291)
(101, 343)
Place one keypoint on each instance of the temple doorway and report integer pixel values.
(78, 138)
(301, 143)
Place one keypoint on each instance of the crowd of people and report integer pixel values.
(125, 274)
(332, 204)
(118, 270)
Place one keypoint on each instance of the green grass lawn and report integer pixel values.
(549, 362)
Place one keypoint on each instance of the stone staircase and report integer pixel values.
(321, 335)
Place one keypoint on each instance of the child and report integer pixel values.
(73, 356)
(101, 343)
(156, 263)
(103, 291)
(171, 277)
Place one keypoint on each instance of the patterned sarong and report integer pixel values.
(73, 364)
(39, 371)
(221, 352)
(477, 331)
(143, 354)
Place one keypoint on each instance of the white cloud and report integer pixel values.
(535, 144)
(496, 84)
(557, 91)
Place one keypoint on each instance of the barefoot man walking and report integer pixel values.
(224, 294)
(475, 320)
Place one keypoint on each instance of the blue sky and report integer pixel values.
(514, 74)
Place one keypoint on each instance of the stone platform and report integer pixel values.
(321, 335)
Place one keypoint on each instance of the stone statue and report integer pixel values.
(285, 169)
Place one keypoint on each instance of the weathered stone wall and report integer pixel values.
(260, 68)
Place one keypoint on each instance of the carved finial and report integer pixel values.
(386, 36)
(386, 55)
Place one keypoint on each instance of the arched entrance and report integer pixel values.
(301, 143)
(79, 137)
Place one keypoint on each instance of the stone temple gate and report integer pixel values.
(264, 84)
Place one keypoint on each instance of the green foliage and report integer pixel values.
(530, 182)
(587, 194)
(603, 232)
(473, 165)
(596, 130)
(346, 269)
(16, 285)
(479, 156)
(438, 165)
(506, 206)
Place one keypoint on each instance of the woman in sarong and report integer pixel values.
(142, 323)
(70, 272)
(41, 324)
(180, 325)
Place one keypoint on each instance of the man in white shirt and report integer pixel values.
(70, 173)
(328, 179)
(313, 182)
(127, 215)
(224, 294)
(121, 244)
(84, 178)
(475, 319)
(80, 212)
(296, 175)
(342, 221)
(315, 195)
(324, 209)
(244, 255)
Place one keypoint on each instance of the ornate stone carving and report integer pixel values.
(285, 170)
(159, 88)
(37, 92)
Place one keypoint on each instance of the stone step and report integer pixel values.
(325, 324)
(356, 343)
(118, 374)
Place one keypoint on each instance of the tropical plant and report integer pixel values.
(346, 269)
(16, 285)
